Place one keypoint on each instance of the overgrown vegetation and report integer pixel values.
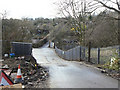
(113, 64)
(79, 26)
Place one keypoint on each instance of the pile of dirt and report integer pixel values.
(33, 74)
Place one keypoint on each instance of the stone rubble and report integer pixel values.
(34, 76)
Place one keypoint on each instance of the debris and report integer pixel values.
(103, 71)
(23, 86)
(22, 57)
(33, 75)
(19, 86)
(12, 55)
(29, 83)
(6, 55)
(5, 67)
(19, 58)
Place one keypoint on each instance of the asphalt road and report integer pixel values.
(71, 74)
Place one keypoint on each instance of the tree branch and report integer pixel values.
(112, 8)
(118, 4)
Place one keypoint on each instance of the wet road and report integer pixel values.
(67, 74)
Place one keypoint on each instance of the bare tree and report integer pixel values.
(76, 13)
(111, 5)
(4, 14)
(115, 6)
(78, 10)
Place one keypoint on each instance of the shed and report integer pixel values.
(21, 48)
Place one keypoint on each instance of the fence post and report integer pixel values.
(49, 44)
(84, 52)
(89, 50)
(98, 61)
(69, 54)
(63, 54)
(119, 52)
(72, 53)
(80, 52)
(54, 45)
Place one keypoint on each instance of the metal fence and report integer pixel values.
(97, 55)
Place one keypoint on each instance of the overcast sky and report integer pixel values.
(29, 8)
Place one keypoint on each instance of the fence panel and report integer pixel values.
(56, 50)
(70, 54)
(86, 54)
(59, 52)
(74, 53)
(78, 53)
(98, 55)
(21, 48)
(63, 54)
(82, 53)
(107, 53)
(67, 55)
(94, 55)
(119, 51)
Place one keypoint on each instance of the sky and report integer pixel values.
(29, 8)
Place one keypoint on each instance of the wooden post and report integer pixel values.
(98, 61)
(89, 50)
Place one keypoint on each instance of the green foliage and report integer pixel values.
(114, 65)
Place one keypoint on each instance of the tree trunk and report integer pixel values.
(118, 29)
(89, 50)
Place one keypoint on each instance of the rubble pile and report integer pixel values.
(33, 74)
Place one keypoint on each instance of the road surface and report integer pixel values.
(71, 74)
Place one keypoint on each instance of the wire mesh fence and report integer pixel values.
(107, 53)
(97, 55)
(94, 55)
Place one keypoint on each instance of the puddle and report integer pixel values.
(62, 65)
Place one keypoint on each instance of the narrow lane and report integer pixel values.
(67, 74)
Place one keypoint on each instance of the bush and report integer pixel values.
(113, 65)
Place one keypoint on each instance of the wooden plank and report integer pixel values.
(11, 86)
